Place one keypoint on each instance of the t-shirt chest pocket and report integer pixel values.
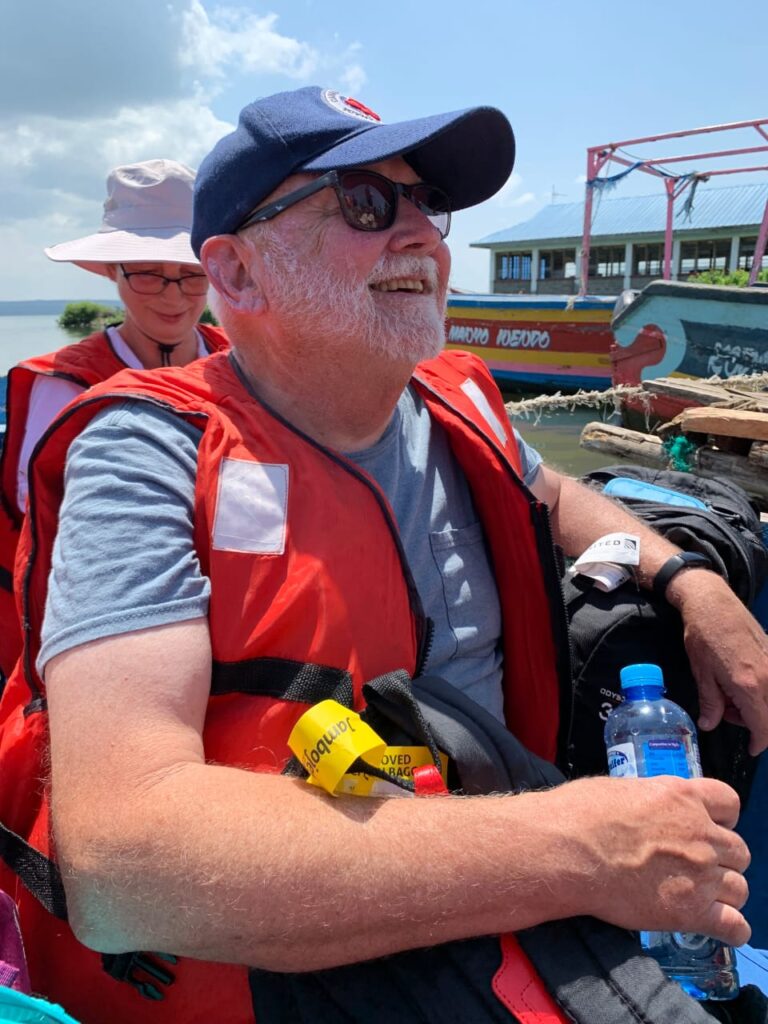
(469, 590)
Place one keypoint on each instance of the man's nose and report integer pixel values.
(413, 230)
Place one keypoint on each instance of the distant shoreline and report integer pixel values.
(43, 307)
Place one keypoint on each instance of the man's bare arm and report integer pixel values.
(727, 648)
(160, 850)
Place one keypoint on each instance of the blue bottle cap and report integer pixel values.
(643, 680)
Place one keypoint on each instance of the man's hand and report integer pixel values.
(728, 651)
(665, 856)
(727, 648)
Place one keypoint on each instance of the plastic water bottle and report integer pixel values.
(647, 735)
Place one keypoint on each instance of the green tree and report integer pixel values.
(89, 316)
(207, 317)
(737, 278)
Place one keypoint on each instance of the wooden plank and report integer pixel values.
(754, 479)
(725, 422)
(694, 390)
(629, 444)
(688, 390)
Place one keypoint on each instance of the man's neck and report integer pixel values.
(341, 407)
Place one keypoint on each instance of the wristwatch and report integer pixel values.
(673, 565)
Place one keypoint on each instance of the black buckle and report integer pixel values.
(126, 967)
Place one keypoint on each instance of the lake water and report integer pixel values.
(555, 436)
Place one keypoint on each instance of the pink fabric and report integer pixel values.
(13, 964)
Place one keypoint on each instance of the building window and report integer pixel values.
(607, 261)
(747, 251)
(557, 264)
(513, 266)
(704, 254)
(648, 260)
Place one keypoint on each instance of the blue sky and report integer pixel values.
(88, 84)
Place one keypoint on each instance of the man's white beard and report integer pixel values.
(326, 306)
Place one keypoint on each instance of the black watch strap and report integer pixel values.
(673, 565)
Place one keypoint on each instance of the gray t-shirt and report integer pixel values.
(124, 557)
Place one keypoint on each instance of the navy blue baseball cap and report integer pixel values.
(468, 153)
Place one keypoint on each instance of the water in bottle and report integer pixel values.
(648, 735)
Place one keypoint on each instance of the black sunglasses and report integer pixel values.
(368, 201)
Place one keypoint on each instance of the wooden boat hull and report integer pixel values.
(676, 329)
(544, 343)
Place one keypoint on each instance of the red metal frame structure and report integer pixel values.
(675, 184)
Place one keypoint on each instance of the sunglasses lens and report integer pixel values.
(434, 204)
(368, 201)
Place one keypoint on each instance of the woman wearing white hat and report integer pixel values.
(143, 246)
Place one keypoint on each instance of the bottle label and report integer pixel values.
(670, 755)
(622, 762)
(655, 755)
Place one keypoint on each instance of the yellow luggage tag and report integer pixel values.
(398, 763)
(328, 738)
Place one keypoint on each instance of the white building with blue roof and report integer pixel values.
(717, 231)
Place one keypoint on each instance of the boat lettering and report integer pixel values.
(522, 338)
(468, 335)
(732, 360)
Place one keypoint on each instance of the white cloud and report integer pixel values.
(508, 196)
(115, 83)
(230, 37)
(353, 79)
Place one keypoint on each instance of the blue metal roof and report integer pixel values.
(736, 206)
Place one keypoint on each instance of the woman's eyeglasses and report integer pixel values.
(368, 201)
(145, 283)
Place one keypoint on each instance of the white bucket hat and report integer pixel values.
(147, 219)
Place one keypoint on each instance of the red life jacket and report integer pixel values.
(85, 363)
(340, 557)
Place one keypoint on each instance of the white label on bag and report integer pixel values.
(605, 558)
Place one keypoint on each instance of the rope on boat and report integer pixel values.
(609, 401)
(543, 404)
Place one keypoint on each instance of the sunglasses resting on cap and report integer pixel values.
(367, 200)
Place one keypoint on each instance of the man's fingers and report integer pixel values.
(721, 803)
(734, 889)
(711, 703)
(734, 854)
(728, 924)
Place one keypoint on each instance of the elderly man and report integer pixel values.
(335, 499)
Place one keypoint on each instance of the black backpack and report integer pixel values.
(595, 971)
(610, 630)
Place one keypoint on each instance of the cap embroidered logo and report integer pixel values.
(346, 105)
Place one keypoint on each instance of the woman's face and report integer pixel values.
(168, 315)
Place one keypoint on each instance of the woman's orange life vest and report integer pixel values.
(85, 363)
(303, 622)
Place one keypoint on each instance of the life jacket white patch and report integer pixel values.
(481, 403)
(251, 507)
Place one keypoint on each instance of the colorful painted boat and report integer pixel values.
(552, 342)
(682, 329)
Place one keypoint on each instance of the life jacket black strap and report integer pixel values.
(6, 579)
(282, 679)
(142, 971)
(599, 973)
(36, 871)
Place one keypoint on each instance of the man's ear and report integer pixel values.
(228, 262)
(111, 271)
